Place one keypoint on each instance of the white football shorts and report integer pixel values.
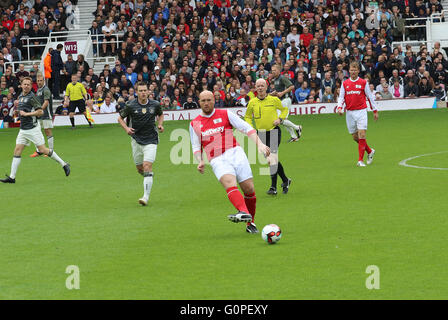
(356, 120)
(46, 123)
(143, 153)
(287, 102)
(32, 135)
(234, 161)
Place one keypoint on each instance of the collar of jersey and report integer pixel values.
(354, 80)
(208, 116)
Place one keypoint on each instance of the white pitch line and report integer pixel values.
(404, 162)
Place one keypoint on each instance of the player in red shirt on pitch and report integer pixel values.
(354, 92)
(212, 132)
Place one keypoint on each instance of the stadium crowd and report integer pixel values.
(183, 47)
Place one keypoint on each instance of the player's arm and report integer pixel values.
(284, 112)
(67, 95)
(160, 117)
(289, 87)
(84, 92)
(47, 97)
(38, 109)
(197, 150)
(341, 99)
(246, 128)
(124, 113)
(371, 98)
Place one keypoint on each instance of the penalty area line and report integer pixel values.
(405, 164)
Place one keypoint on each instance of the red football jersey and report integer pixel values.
(214, 133)
(355, 93)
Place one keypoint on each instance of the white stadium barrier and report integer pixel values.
(296, 109)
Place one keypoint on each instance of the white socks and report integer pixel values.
(291, 127)
(15, 164)
(147, 184)
(55, 157)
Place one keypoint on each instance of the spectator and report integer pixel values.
(56, 67)
(302, 93)
(108, 39)
(327, 95)
(397, 90)
(108, 106)
(424, 88)
(395, 77)
(439, 92)
(131, 75)
(386, 92)
(410, 75)
(411, 90)
(7, 119)
(166, 104)
(191, 104)
(243, 99)
(97, 37)
(81, 65)
(219, 102)
(47, 68)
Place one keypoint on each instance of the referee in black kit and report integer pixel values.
(75, 97)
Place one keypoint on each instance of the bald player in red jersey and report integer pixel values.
(212, 133)
(355, 92)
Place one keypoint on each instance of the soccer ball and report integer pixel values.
(271, 233)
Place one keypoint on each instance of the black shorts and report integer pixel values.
(80, 104)
(271, 138)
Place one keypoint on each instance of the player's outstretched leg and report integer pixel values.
(54, 156)
(235, 197)
(14, 166)
(294, 130)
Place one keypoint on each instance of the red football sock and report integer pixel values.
(368, 150)
(361, 149)
(237, 199)
(251, 203)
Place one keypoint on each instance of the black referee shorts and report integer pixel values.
(271, 138)
(80, 104)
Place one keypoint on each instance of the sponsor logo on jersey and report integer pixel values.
(212, 131)
(354, 92)
(219, 120)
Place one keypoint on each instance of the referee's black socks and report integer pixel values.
(275, 170)
(72, 120)
(281, 173)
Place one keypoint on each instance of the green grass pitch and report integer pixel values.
(337, 219)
